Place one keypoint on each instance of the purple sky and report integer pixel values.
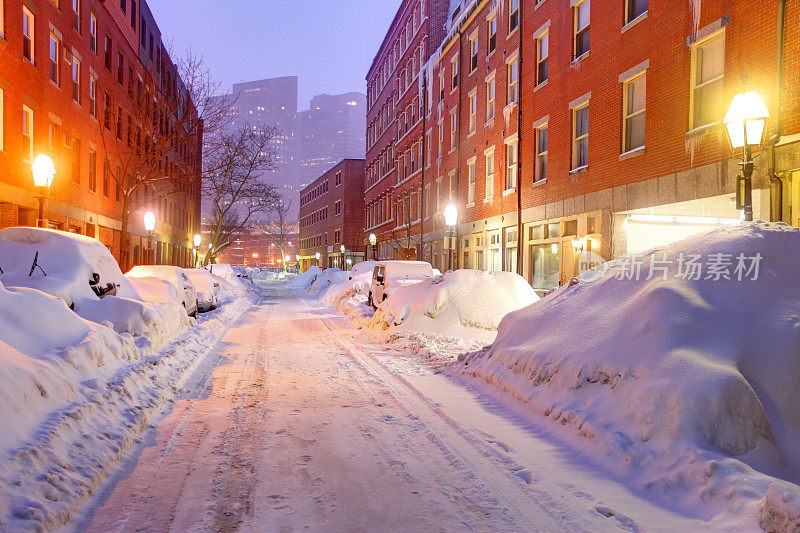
(328, 44)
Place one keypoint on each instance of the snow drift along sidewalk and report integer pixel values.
(670, 379)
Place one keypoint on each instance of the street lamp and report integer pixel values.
(196, 248)
(342, 251)
(450, 218)
(254, 255)
(149, 226)
(373, 241)
(745, 123)
(317, 256)
(43, 173)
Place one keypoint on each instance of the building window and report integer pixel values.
(471, 174)
(541, 153)
(2, 21)
(133, 14)
(453, 129)
(454, 65)
(490, 97)
(120, 68)
(513, 15)
(513, 81)
(106, 179)
(492, 34)
(544, 260)
(580, 137)
(542, 55)
(27, 132)
(28, 29)
(76, 79)
(337, 208)
(708, 69)
(338, 179)
(123, 6)
(54, 70)
(75, 167)
(107, 111)
(634, 112)
(119, 122)
(92, 170)
(441, 139)
(635, 9)
(473, 56)
(473, 111)
(441, 85)
(93, 33)
(511, 250)
(107, 57)
(581, 28)
(76, 15)
(511, 165)
(489, 193)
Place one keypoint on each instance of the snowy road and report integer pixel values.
(299, 421)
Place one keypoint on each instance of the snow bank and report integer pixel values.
(671, 376)
(304, 280)
(461, 299)
(328, 277)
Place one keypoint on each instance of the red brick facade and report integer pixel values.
(332, 216)
(67, 125)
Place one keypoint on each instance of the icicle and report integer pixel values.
(691, 142)
(696, 6)
(507, 110)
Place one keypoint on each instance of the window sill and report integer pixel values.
(632, 153)
(489, 123)
(579, 170)
(577, 60)
(538, 4)
(543, 84)
(515, 30)
(634, 22)
(470, 204)
(488, 200)
(471, 133)
(539, 183)
(703, 130)
(509, 192)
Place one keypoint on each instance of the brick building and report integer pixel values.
(551, 143)
(332, 216)
(68, 80)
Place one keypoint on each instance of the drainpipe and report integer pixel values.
(776, 182)
(519, 145)
(458, 139)
(424, 151)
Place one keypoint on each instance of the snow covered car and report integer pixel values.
(70, 266)
(206, 287)
(175, 275)
(361, 268)
(387, 275)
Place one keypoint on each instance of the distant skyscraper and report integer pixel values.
(332, 129)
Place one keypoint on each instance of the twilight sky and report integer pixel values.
(328, 44)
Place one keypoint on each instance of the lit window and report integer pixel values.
(471, 174)
(580, 137)
(513, 81)
(453, 128)
(708, 69)
(542, 55)
(541, 153)
(490, 92)
(635, 9)
(27, 132)
(581, 29)
(28, 26)
(489, 175)
(634, 111)
(54, 70)
(511, 165)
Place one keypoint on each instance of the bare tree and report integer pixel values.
(234, 185)
(152, 140)
(281, 224)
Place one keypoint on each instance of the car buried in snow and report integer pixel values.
(187, 293)
(388, 275)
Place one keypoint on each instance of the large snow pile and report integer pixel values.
(328, 277)
(673, 371)
(304, 280)
(459, 299)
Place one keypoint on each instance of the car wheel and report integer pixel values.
(370, 302)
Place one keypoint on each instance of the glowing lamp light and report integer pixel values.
(745, 119)
(317, 256)
(297, 257)
(577, 244)
(43, 171)
(287, 258)
(196, 240)
(149, 221)
(450, 215)
(255, 255)
(373, 239)
(342, 248)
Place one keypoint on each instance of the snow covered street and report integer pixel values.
(297, 420)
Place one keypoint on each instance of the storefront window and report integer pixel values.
(544, 266)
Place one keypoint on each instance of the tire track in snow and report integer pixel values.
(531, 512)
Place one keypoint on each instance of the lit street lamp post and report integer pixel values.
(43, 173)
(450, 218)
(149, 226)
(196, 248)
(745, 123)
(317, 256)
(373, 241)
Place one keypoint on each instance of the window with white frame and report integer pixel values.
(581, 24)
(2, 20)
(490, 98)
(54, 65)
(76, 79)
(708, 70)
(580, 137)
(452, 186)
(441, 138)
(511, 165)
(541, 153)
(510, 264)
(489, 193)
(513, 81)
(471, 182)
(491, 26)
(453, 128)
(542, 56)
(93, 33)
(454, 67)
(513, 15)
(473, 111)
(76, 15)
(27, 132)
(473, 53)
(438, 194)
(28, 34)
(634, 9)
(634, 91)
